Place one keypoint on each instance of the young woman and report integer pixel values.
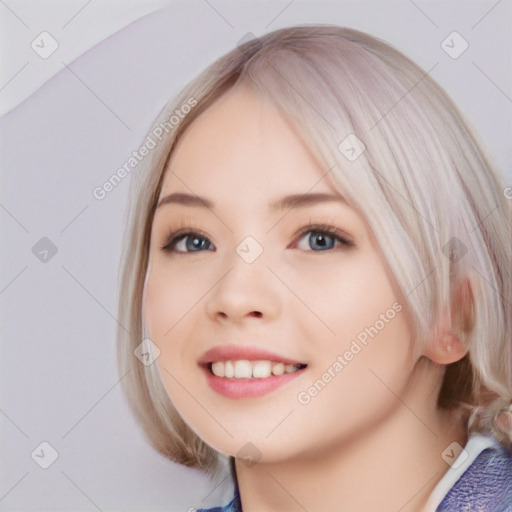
(316, 284)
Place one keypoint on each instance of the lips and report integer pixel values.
(247, 372)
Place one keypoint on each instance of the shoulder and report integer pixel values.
(486, 485)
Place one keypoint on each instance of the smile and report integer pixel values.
(247, 372)
(244, 369)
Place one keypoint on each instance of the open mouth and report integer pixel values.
(242, 379)
(245, 369)
(236, 372)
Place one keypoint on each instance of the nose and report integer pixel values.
(246, 291)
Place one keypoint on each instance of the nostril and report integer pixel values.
(223, 315)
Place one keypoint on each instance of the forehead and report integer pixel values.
(243, 146)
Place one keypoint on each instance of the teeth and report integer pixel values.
(229, 371)
(278, 368)
(261, 369)
(218, 369)
(244, 369)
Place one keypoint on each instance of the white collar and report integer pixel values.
(476, 444)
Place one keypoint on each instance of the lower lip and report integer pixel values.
(248, 388)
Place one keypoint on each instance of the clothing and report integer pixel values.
(485, 486)
(233, 506)
(479, 480)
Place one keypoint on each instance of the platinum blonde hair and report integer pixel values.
(423, 183)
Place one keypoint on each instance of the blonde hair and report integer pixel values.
(423, 183)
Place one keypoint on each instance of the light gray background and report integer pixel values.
(58, 373)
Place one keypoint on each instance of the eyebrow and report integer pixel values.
(288, 202)
(185, 200)
(304, 200)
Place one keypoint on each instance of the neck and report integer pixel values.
(391, 466)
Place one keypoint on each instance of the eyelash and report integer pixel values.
(176, 236)
(321, 229)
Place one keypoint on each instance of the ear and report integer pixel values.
(448, 341)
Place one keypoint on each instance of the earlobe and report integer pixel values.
(448, 343)
(445, 348)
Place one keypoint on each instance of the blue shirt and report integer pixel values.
(486, 486)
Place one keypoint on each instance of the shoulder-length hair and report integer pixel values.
(422, 182)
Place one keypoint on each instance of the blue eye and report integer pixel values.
(313, 238)
(188, 242)
(321, 240)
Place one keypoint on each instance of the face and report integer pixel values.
(275, 314)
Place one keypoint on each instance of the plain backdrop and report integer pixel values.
(59, 382)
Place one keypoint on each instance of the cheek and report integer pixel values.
(355, 386)
(365, 310)
(347, 298)
(171, 305)
(166, 303)
(158, 306)
(165, 313)
(165, 307)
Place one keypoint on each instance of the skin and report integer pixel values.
(372, 438)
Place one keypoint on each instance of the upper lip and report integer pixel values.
(248, 353)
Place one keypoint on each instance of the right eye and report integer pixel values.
(188, 242)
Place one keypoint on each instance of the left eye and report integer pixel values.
(192, 243)
(319, 241)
